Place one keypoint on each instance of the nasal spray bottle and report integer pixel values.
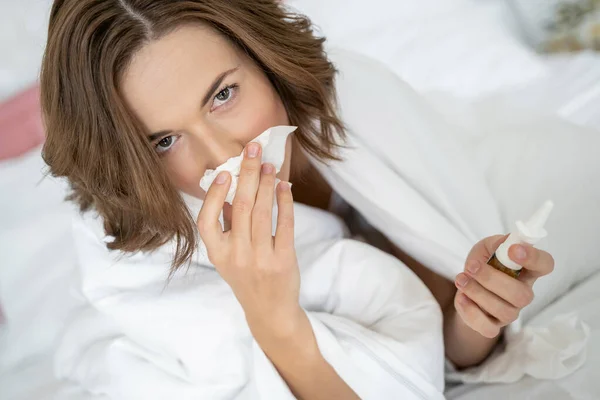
(530, 232)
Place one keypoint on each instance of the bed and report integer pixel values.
(566, 86)
(583, 384)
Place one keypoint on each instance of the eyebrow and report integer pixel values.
(215, 85)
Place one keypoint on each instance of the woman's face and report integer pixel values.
(201, 101)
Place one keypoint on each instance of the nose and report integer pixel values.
(219, 147)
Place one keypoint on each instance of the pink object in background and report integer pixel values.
(21, 126)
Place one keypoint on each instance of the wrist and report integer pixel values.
(281, 326)
(454, 324)
(290, 335)
(465, 347)
(295, 354)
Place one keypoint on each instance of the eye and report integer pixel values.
(224, 96)
(164, 144)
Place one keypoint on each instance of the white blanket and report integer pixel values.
(114, 310)
(406, 170)
(583, 384)
(435, 190)
(375, 322)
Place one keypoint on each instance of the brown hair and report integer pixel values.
(97, 143)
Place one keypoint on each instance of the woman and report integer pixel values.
(141, 97)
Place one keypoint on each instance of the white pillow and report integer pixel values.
(530, 157)
(436, 184)
(23, 34)
(455, 46)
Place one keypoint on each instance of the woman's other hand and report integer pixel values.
(487, 299)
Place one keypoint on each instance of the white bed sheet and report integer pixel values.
(34, 380)
(581, 385)
(35, 241)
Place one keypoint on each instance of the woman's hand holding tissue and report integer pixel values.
(262, 270)
(487, 299)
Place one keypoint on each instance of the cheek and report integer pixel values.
(184, 164)
(258, 115)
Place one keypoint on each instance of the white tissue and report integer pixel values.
(552, 351)
(272, 141)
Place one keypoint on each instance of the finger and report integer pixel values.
(208, 223)
(474, 317)
(511, 290)
(483, 250)
(504, 312)
(536, 263)
(245, 197)
(262, 225)
(284, 234)
(493, 242)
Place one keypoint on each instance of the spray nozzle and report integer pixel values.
(534, 227)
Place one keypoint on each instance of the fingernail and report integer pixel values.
(473, 267)
(462, 280)
(520, 253)
(221, 178)
(284, 186)
(462, 299)
(267, 169)
(252, 150)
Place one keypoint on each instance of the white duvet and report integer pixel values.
(583, 384)
(142, 338)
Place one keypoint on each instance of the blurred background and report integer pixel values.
(536, 55)
(539, 53)
(469, 48)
